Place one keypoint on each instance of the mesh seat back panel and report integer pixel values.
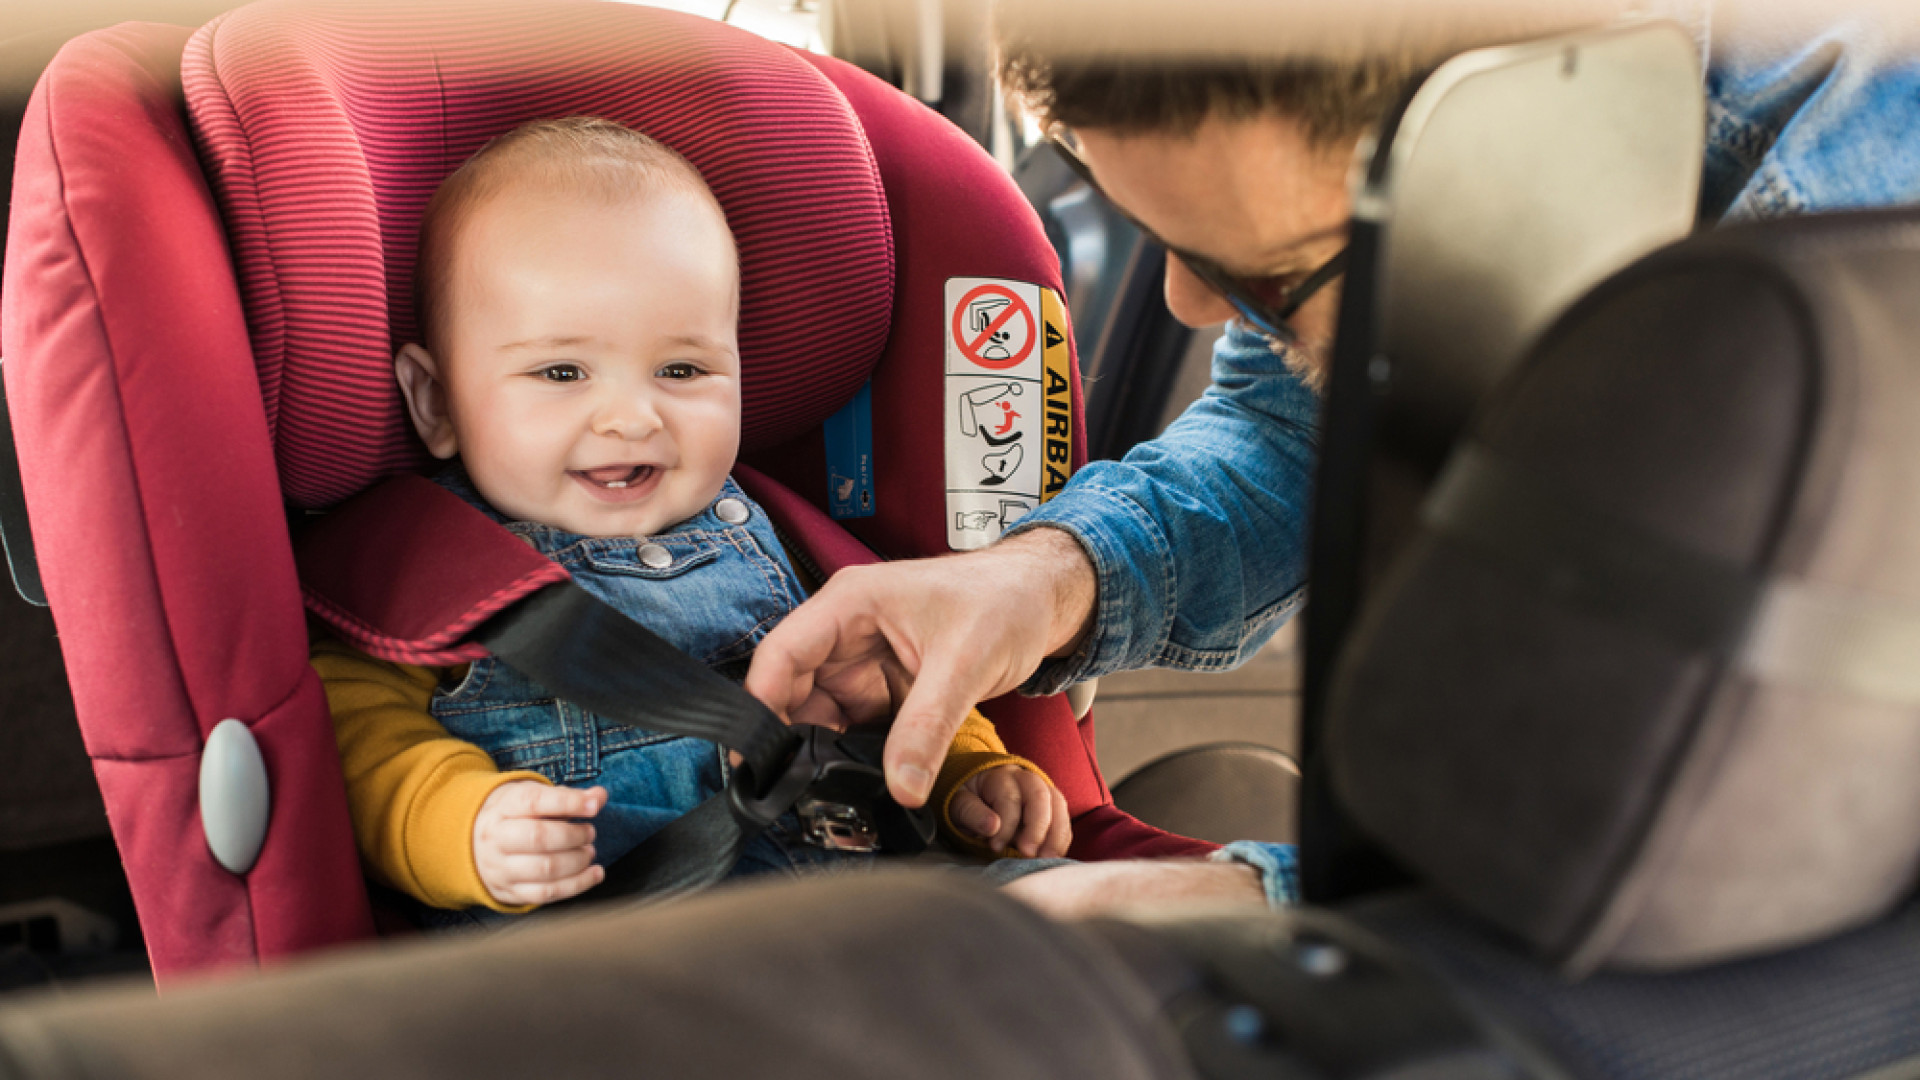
(325, 129)
(1838, 1009)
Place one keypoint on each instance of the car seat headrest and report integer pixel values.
(326, 127)
(1643, 690)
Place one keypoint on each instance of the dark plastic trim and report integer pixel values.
(15, 534)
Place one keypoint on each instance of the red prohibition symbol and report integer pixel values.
(978, 321)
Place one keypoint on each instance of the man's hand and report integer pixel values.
(1125, 886)
(932, 636)
(1013, 805)
(528, 847)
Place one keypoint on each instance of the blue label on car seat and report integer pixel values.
(850, 457)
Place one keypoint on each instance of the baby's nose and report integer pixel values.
(628, 416)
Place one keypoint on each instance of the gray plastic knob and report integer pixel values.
(234, 800)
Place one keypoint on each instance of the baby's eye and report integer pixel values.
(562, 373)
(679, 371)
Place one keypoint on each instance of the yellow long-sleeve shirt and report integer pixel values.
(415, 790)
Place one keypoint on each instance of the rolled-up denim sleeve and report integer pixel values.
(1812, 124)
(1198, 537)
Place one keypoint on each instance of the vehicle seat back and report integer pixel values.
(1511, 181)
(1642, 689)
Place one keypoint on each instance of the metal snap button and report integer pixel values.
(656, 556)
(732, 511)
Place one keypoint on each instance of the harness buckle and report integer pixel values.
(835, 783)
(836, 826)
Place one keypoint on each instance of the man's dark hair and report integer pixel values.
(1332, 100)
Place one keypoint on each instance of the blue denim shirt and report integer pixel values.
(1811, 125)
(1198, 537)
(722, 589)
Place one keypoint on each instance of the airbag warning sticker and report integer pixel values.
(1009, 402)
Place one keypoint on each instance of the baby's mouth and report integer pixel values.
(617, 477)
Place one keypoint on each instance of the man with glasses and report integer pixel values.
(1190, 552)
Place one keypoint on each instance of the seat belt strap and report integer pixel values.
(588, 652)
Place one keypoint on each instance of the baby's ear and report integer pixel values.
(426, 399)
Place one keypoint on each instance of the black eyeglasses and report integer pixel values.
(1263, 302)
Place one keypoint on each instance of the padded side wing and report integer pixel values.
(956, 214)
(150, 483)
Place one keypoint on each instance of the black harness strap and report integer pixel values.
(691, 852)
(583, 649)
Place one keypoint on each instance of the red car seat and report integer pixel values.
(199, 321)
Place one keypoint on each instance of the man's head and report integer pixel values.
(578, 295)
(1233, 140)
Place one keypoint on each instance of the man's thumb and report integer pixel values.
(922, 732)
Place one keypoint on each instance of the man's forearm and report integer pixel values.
(1196, 538)
(1053, 559)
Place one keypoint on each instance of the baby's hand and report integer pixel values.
(1011, 805)
(528, 849)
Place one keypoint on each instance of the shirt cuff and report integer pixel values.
(1279, 866)
(440, 843)
(1133, 574)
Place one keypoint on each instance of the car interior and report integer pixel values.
(1612, 553)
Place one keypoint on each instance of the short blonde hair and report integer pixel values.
(584, 156)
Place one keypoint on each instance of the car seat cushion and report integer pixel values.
(147, 471)
(326, 130)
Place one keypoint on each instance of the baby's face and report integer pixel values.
(591, 368)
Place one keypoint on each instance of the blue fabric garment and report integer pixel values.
(1278, 864)
(1198, 537)
(725, 587)
(1811, 125)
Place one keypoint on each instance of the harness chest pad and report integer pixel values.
(326, 127)
(375, 571)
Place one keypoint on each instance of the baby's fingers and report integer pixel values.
(971, 815)
(532, 799)
(1036, 798)
(564, 802)
(551, 892)
(1060, 832)
(542, 879)
(1001, 792)
(541, 836)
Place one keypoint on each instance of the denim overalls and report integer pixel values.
(712, 586)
